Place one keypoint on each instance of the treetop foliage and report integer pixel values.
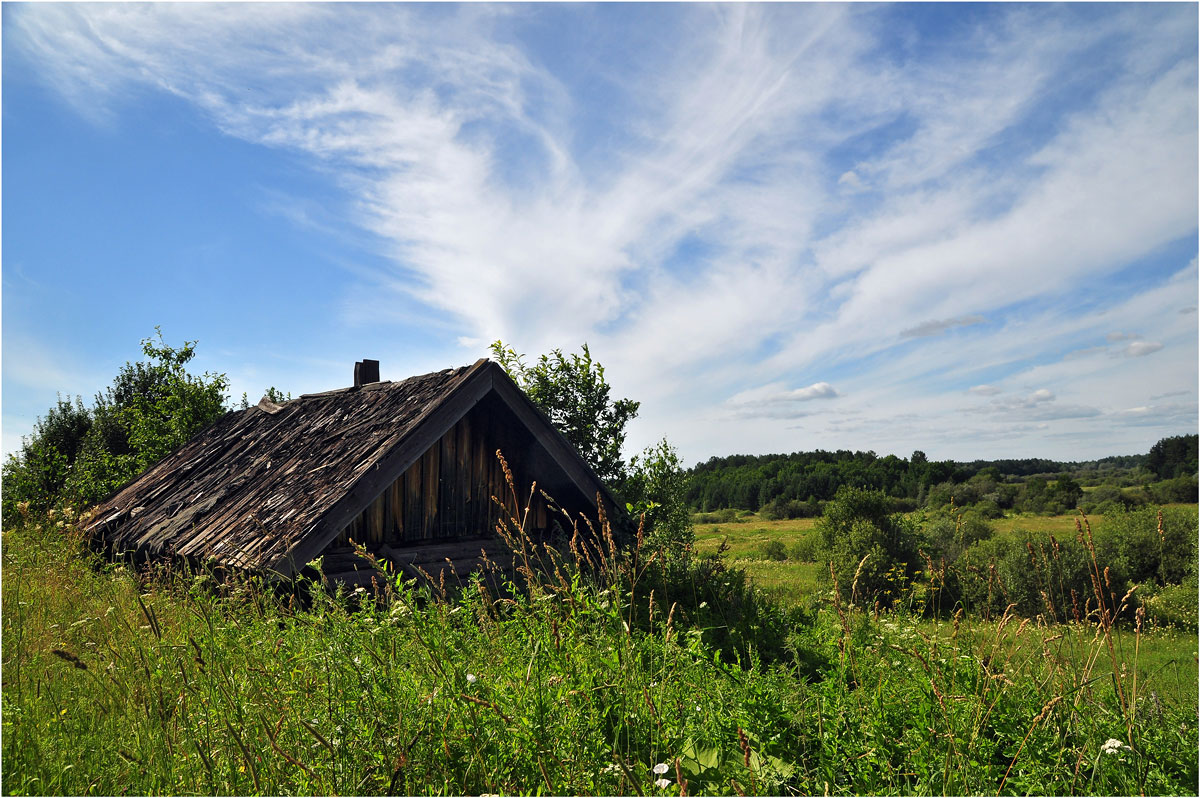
(572, 392)
(79, 454)
(794, 485)
(1174, 457)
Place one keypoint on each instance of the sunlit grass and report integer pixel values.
(746, 538)
(116, 684)
(783, 580)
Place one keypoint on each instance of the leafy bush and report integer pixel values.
(988, 508)
(1038, 573)
(803, 549)
(1182, 489)
(775, 550)
(950, 534)
(81, 455)
(654, 491)
(779, 509)
(1174, 605)
(725, 516)
(869, 547)
(1102, 500)
(1143, 551)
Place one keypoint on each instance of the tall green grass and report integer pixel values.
(595, 671)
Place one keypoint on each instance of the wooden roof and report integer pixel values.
(269, 487)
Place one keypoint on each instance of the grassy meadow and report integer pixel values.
(790, 574)
(584, 681)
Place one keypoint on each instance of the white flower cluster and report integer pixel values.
(659, 770)
(1114, 746)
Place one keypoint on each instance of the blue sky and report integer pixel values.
(967, 229)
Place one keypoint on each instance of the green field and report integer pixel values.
(747, 537)
(795, 579)
(117, 682)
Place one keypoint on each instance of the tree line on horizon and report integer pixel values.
(798, 484)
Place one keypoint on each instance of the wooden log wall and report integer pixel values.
(446, 494)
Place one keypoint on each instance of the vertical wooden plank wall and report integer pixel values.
(447, 493)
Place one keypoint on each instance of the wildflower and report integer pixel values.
(661, 768)
(1114, 746)
(360, 589)
(470, 678)
(662, 784)
(357, 661)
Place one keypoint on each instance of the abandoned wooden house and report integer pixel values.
(407, 469)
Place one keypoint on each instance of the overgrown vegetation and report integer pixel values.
(78, 455)
(596, 671)
(935, 653)
(573, 393)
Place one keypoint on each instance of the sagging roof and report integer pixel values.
(269, 487)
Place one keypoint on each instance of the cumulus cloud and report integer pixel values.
(1141, 348)
(775, 401)
(984, 390)
(1037, 406)
(1178, 415)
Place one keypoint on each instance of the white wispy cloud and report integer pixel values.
(747, 219)
(937, 327)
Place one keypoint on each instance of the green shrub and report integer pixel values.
(988, 508)
(869, 547)
(778, 509)
(725, 516)
(1174, 605)
(775, 550)
(79, 455)
(1038, 573)
(949, 535)
(1102, 499)
(803, 549)
(1131, 543)
(1179, 490)
(654, 491)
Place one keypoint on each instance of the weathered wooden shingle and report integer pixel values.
(267, 487)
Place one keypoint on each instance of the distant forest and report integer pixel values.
(797, 485)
